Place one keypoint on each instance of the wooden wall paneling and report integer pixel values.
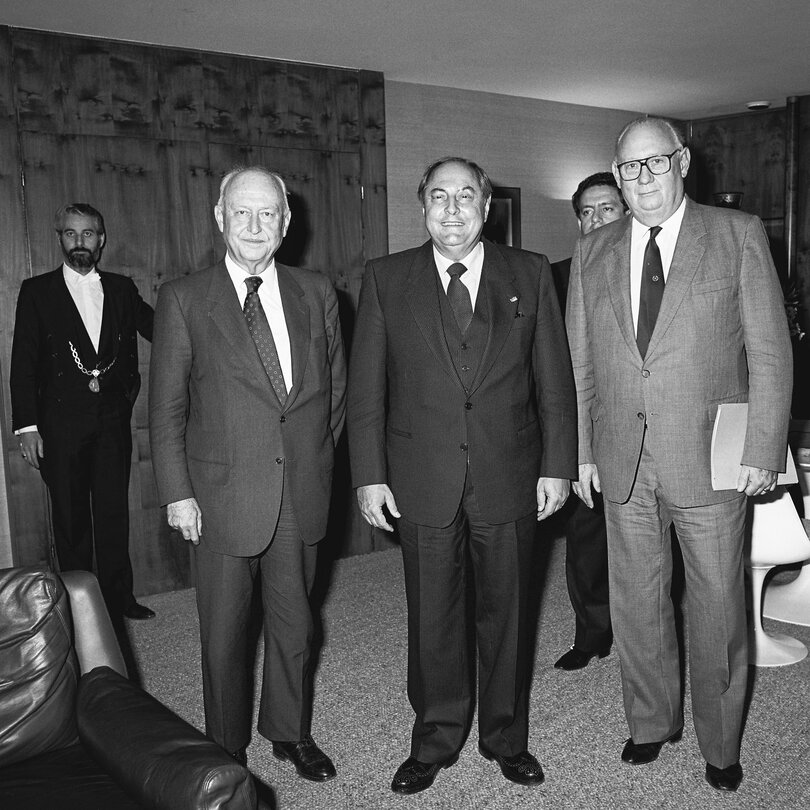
(24, 525)
(181, 111)
(87, 86)
(293, 106)
(372, 150)
(124, 178)
(743, 153)
(225, 92)
(144, 133)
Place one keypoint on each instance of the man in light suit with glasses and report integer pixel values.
(672, 312)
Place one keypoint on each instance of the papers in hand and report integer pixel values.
(728, 439)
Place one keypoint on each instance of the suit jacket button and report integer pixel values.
(640, 415)
(463, 447)
(468, 405)
(283, 418)
(279, 460)
(645, 372)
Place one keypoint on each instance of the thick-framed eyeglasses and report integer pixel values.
(657, 164)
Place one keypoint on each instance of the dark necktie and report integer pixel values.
(263, 337)
(459, 296)
(652, 290)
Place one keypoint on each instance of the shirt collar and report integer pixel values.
(238, 273)
(670, 226)
(77, 279)
(474, 258)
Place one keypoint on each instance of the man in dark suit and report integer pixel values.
(596, 202)
(461, 424)
(246, 402)
(74, 379)
(672, 312)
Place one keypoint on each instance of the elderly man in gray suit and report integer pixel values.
(246, 402)
(672, 312)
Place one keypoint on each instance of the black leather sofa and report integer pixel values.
(74, 731)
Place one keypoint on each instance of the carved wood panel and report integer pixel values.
(144, 134)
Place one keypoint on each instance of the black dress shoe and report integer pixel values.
(414, 776)
(136, 611)
(522, 768)
(577, 659)
(724, 778)
(644, 753)
(241, 757)
(309, 760)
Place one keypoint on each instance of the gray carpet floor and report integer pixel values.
(362, 717)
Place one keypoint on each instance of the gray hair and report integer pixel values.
(665, 124)
(237, 170)
(77, 209)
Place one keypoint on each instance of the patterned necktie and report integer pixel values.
(652, 290)
(459, 296)
(263, 337)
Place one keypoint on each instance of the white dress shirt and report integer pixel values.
(88, 295)
(473, 261)
(270, 296)
(666, 241)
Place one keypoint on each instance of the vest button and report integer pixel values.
(463, 447)
(279, 460)
(465, 368)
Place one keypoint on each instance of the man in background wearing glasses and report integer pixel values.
(671, 312)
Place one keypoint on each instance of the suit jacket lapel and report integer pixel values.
(66, 310)
(223, 308)
(110, 320)
(296, 314)
(421, 297)
(617, 273)
(503, 299)
(685, 261)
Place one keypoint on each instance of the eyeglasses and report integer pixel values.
(657, 164)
